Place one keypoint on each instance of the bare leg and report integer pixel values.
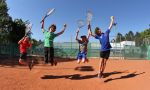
(86, 60)
(83, 60)
(22, 62)
(78, 61)
(105, 60)
(101, 68)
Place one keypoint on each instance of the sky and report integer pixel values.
(129, 15)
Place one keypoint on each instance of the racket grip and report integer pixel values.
(25, 35)
(43, 19)
(89, 26)
(42, 24)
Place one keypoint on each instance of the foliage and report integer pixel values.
(137, 37)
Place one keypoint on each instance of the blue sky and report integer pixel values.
(129, 14)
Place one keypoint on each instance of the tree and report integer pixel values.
(35, 42)
(145, 33)
(5, 21)
(138, 39)
(18, 31)
(120, 37)
(10, 31)
(129, 36)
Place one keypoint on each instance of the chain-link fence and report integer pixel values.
(9, 50)
(125, 49)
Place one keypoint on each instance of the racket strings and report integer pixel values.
(50, 12)
(28, 29)
(80, 23)
(89, 15)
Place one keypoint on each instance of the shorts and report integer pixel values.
(81, 55)
(23, 56)
(105, 54)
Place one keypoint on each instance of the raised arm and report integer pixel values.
(20, 41)
(42, 25)
(111, 23)
(77, 33)
(90, 31)
(88, 36)
(64, 28)
(30, 44)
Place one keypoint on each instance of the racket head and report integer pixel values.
(80, 23)
(28, 29)
(50, 11)
(89, 16)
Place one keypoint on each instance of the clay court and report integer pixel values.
(68, 75)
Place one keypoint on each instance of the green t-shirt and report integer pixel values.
(49, 38)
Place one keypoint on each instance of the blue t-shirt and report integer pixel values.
(104, 40)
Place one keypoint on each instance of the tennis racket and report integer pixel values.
(50, 11)
(28, 29)
(89, 16)
(80, 23)
(114, 24)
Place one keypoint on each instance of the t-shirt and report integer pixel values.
(83, 46)
(23, 47)
(49, 38)
(104, 40)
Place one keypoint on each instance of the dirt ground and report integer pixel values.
(68, 75)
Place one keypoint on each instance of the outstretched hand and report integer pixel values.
(65, 25)
(112, 17)
(77, 30)
(111, 23)
(42, 23)
(89, 25)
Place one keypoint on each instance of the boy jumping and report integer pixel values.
(105, 45)
(48, 42)
(83, 43)
(24, 44)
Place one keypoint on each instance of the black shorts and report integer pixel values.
(23, 56)
(105, 54)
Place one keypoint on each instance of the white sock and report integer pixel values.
(78, 61)
(83, 59)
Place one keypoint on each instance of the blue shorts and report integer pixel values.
(81, 55)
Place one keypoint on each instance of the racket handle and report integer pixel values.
(89, 26)
(43, 19)
(77, 30)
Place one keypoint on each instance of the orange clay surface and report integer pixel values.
(68, 75)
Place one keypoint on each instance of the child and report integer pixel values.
(24, 44)
(48, 42)
(82, 47)
(105, 45)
